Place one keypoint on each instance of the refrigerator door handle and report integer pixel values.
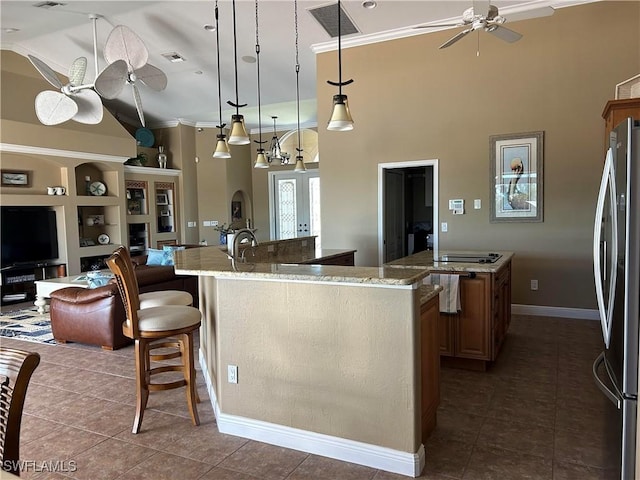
(606, 310)
(616, 399)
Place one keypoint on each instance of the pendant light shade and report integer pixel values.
(300, 168)
(238, 135)
(261, 160)
(222, 149)
(341, 120)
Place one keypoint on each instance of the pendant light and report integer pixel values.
(222, 149)
(238, 134)
(261, 159)
(275, 150)
(340, 120)
(299, 159)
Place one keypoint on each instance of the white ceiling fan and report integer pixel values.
(74, 100)
(127, 57)
(484, 16)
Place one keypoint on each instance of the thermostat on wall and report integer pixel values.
(457, 206)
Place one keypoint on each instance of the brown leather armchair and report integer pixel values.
(89, 316)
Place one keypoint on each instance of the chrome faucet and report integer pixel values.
(238, 237)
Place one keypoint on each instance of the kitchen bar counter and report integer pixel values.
(334, 360)
(212, 261)
(425, 260)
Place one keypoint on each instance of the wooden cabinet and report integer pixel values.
(476, 333)
(18, 283)
(615, 111)
(429, 364)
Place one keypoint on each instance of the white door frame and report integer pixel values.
(417, 163)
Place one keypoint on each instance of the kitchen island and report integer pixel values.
(471, 338)
(338, 361)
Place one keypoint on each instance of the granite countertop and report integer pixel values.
(427, 292)
(212, 261)
(425, 259)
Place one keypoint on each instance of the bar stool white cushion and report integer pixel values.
(167, 317)
(165, 297)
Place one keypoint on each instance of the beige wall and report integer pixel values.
(418, 102)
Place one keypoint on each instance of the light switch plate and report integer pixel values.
(444, 227)
(477, 204)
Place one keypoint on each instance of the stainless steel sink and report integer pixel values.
(470, 258)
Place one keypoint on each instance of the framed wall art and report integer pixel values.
(517, 177)
(15, 178)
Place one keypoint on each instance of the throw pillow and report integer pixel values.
(98, 279)
(155, 257)
(168, 253)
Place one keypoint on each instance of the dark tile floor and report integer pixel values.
(536, 414)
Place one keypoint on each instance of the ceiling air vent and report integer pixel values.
(327, 16)
(174, 57)
(49, 4)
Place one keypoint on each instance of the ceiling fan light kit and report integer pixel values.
(340, 120)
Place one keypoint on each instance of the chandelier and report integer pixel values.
(275, 150)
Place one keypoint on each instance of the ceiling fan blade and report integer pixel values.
(124, 44)
(457, 37)
(89, 107)
(152, 77)
(46, 71)
(533, 13)
(77, 71)
(504, 33)
(53, 108)
(112, 79)
(136, 98)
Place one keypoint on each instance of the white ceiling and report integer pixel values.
(60, 34)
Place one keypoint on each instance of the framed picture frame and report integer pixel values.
(162, 199)
(236, 210)
(15, 178)
(517, 177)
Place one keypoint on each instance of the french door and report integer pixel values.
(295, 205)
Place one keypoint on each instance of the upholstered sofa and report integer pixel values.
(95, 316)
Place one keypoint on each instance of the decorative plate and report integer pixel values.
(144, 137)
(97, 189)
(103, 239)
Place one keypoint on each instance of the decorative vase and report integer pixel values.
(162, 157)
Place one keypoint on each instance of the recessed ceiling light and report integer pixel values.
(10, 30)
(198, 72)
(210, 28)
(369, 4)
(249, 59)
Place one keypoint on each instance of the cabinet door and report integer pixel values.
(501, 308)
(445, 332)
(473, 329)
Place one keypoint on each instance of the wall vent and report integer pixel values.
(327, 17)
(174, 57)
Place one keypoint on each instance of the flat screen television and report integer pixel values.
(29, 235)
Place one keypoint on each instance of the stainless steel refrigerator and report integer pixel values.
(616, 262)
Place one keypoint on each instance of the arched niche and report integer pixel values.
(308, 140)
(241, 209)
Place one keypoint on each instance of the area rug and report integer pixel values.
(26, 325)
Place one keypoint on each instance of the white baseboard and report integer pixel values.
(389, 460)
(544, 311)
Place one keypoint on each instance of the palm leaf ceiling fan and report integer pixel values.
(484, 16)
(126, 56)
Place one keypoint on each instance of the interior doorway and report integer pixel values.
(407, 208)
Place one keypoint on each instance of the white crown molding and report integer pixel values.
(372, 456)
(96, 157)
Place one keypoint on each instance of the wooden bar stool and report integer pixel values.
(16, 368)
(168, 326)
